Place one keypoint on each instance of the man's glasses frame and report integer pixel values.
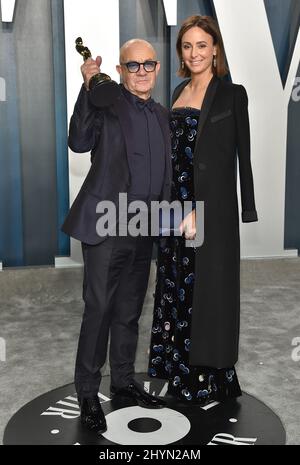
(134, 66)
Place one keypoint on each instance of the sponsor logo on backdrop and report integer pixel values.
(8, 9)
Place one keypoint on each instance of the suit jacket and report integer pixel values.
(107, 133)
(223, 137)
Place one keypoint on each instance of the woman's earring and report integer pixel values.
(182, 64)
(215, 61)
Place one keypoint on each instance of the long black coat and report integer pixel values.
(107, 133)
(223, 132)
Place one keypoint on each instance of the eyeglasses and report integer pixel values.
(134, 66)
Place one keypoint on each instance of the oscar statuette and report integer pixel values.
(103, 91)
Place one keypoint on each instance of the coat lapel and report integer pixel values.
(121, 110)
(206, 106)
(164, 124)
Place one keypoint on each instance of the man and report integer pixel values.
(130, 153)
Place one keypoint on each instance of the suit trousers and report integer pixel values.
(116, 274)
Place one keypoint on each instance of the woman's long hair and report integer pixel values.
(209, 25)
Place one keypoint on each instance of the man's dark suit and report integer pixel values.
(116, 269)
(108, 134)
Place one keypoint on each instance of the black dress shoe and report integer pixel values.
(92, 416)
(136, 392)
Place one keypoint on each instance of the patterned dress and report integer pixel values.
(170, 336)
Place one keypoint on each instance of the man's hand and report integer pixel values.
(89, 69)
(188, 226)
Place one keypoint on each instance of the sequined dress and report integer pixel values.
(171, 328)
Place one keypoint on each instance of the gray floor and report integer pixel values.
(40, 315)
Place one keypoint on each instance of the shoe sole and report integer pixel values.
(140, 403)
(101, 431)
(93, 430)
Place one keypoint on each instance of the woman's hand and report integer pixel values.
(188, 225)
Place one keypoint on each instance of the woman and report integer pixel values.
(195, 332)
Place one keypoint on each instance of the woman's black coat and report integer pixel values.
(223, 133)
